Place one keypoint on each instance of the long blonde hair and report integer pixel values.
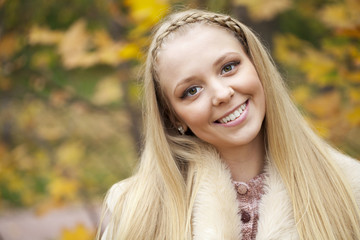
(157, 201)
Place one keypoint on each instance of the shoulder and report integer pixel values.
(351, 169)
(115, 192)
(349, 165)
(112, 198)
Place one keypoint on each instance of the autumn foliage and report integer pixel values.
(70, 121)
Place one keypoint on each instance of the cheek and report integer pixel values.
(255, 88)
(194, 116)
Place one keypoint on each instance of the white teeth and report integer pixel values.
(232, 116)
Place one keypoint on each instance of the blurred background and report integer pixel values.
(70, 119)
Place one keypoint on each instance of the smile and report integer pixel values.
(235, 114)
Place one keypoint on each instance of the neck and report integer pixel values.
(246, 162)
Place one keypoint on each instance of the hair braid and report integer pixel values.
(194, 17)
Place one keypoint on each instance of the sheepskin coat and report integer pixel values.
(215, 211)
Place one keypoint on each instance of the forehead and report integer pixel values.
(197, 40)
(194, 29)
(198, 37)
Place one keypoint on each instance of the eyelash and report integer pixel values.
(186, 92)
(234, 64)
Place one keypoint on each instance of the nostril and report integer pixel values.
(222, 96)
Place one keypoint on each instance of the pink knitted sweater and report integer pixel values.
(249, 195)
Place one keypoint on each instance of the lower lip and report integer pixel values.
(239, 120)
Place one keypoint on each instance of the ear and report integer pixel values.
(176, 121)
(182, 128)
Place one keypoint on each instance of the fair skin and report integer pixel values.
(215, 91)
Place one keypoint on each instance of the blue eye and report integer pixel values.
(191, 91)
(229, 67)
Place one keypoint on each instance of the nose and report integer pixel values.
(222, 94)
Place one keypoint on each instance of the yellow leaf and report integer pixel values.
(355, 53)
(38, 35)
(147, 10)
(110, 54)
(107, 49)
(73, 46)
(264, 9)
(354, 94)
(108, 90)
(319, 127)
(82, 49)
(70, 153)
(341, 15)
(325, 105)
(102, 38)
(79, 233)
(289, 49)
(317, 66)
(63, 189)
(130, 51)
(354, 116)
(301, 94)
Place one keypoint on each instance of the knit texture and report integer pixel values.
(249, 196)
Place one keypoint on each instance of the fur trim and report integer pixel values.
(114, 194)
(276, 219)
(215, 209)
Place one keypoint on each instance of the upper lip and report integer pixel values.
(231, 111)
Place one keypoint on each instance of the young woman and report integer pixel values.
(227, 155)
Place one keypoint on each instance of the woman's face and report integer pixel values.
(212, 86)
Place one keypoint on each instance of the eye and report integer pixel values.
(191, 91)
(229, 67)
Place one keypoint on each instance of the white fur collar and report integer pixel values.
(275, 212)
(216, 207)
(215, 211)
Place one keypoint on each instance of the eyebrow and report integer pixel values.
(182, 82)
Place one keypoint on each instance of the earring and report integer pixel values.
(181, 130)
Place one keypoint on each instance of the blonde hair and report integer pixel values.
(157, 201)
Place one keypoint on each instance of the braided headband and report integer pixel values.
(221, 20)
